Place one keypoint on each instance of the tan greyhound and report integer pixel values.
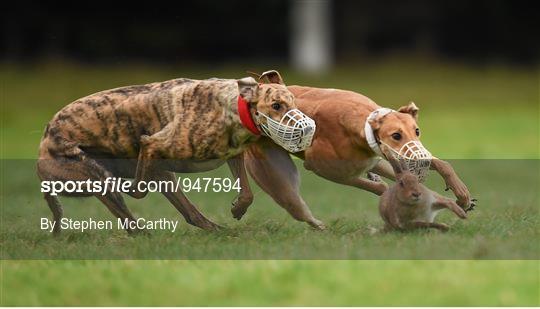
(341, 150)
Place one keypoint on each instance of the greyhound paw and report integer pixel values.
(240, 206)
(317, 224)
(198, 220)
(374, 177)
(238, 212)
(211, 226)
(380, 186)
(462, 213)
(472, 205)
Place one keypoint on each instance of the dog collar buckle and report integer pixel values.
(245, 116)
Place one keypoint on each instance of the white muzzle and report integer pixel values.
(294, 131)
(414, 157)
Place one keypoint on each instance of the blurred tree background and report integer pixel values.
(237, 31)
(460, 61)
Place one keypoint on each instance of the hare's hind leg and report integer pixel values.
(426, 225)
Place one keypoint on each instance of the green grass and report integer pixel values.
(490, 112)
(501, 228)
(280, 283)
(475, 114)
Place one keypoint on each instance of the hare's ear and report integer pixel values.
(272, 77)
(396, 164)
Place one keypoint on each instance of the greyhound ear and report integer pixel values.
(411, 109)
(375, 124)
(248, 89)
(272, 77)
(254, 75)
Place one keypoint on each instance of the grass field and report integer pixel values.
(484, 117)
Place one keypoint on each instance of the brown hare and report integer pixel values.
(408, 204)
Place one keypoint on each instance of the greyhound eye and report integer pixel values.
(417, 132)
(396, 136)
(276, 106)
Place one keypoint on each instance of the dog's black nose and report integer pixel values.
(416, 194)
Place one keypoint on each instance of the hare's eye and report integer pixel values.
(417, 132)
(396, 136)
(401, 183)
(276, 106)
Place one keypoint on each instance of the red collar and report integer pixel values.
(245, 116)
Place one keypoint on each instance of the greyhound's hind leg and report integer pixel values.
(56, 209)
(274, 171)
(192, 215)
(115, 203)
(80, 168)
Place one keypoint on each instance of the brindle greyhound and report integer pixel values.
(180, 125)
(339, 152)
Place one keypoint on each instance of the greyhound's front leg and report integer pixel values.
(244, 199)
(444, 202)
(453, 182)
